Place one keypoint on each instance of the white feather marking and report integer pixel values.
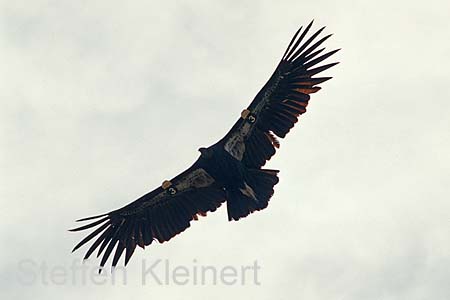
(235, 144)
(249, 192)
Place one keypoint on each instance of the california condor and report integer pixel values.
(230, 170)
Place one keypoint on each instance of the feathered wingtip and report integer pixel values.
(90, 224)
(300, 50)
(90, 218)
(291, 49)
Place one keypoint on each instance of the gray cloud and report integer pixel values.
(102, 101)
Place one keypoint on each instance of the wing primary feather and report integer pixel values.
(131, 246)
(91, 218)
(114, 231)
(96, 243)
(90, 236)
(129, 241)
(312, 55)
(120, 244)
(108, 251)
(126, 232)
(106, 241)
(89, 225)
(309, 81)
(302, 36)
(292, 41)
(301, 58)
(306, 44)
(314, 71)
(320, 58)
(118, 254)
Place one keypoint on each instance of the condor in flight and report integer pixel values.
(230, 170)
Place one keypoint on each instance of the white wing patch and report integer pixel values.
(236, 143)
(198, 178)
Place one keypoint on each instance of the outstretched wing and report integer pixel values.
(276, 108)
(160, 214)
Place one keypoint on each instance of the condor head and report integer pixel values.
(206, 152)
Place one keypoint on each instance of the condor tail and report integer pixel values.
(254, 195)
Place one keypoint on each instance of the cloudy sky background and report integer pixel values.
(101, 101)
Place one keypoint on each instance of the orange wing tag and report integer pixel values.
(166, 184)
(245, 113)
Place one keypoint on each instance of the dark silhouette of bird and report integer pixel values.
(229, 171)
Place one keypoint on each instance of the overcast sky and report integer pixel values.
(101, 101)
